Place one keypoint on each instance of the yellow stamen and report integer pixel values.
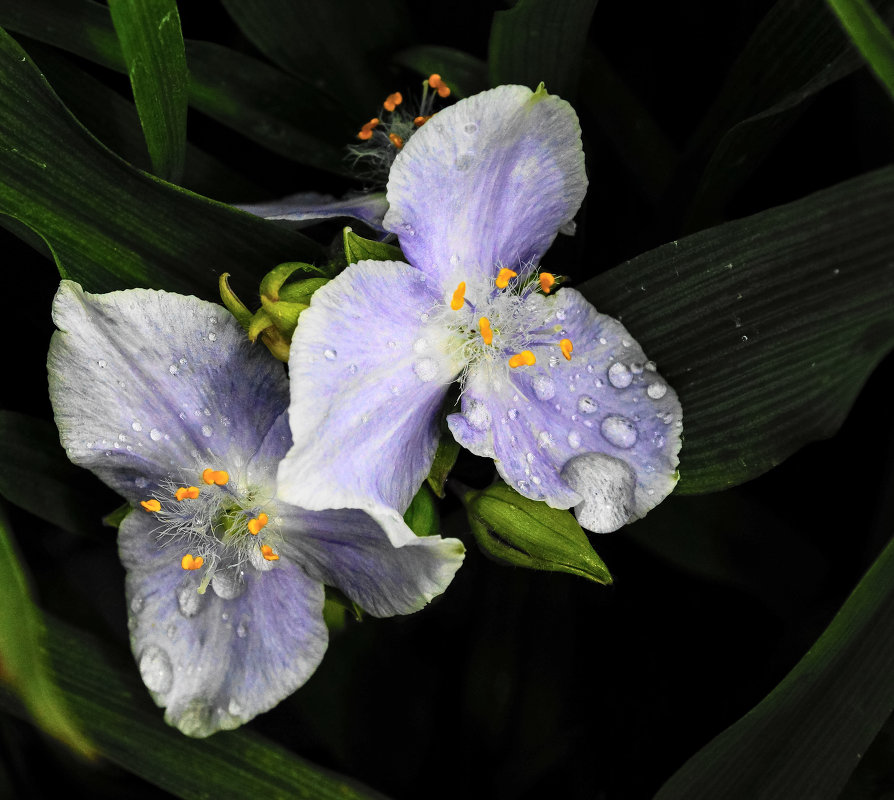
(396, 140)
(218, 476)
(486, 333)
(192, 492)
(547, 281)
(420, 121)
(190, 563)
(267, 552)
(525, 357)
(393, 100)
(504, 277)
(366, 131)
(566, 348)
(442, 88)
(255, 525)
(151, 505)
(458, 296)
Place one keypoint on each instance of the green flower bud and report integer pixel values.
(528, 533)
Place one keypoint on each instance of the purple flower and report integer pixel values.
(166, 401)
(560, 396)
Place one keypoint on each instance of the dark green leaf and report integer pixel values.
(359, 249)
(275, 110)
(796, 51)
(109, 225)
(767, 327)
(805, 738)
(35, 474)
(463, 73)
(540, 40)
(872, 38)
(114, 708)
(152, 45)
(23, 663)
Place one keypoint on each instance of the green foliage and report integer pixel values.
(359, 249)
(422, 514)
(870, 35)
(152, 45)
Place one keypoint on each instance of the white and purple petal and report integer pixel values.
(369, 371)
(486, 184)
(600, 432)
(349, 550)
(311, 207)
(146, 383)
(214, 662)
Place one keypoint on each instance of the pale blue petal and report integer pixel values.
(310, 207)
(145, 384)
(349, 550)
(215, 663)
(487, 183)
(368, 373)
(600, 432)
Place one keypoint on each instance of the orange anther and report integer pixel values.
(190, 563)
(393, 100)
(267, 552)
(486, 333)
(547, 281)
(435, 82)
(420, 121)
(151, 505)
(525, 357)
(566, 348)
(458, 297)
(221, 477)
(263, 519)
(192, 492)
(504, 277)
(255, 525)
(396, 140)
(366, 131)
(208, 476)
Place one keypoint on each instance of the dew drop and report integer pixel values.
(636, 367)
(330, 354)
(155, 669)
(535, 480)
(227, 584)
(658, 440)
(619, 431)
(136, 426)
(656, 390)
(395, 390)
(408, 229)
(586, 404)
(478, 416)
(206, 412)
(470, 127)
(574, 439)
(212, 337)
(545, 439)
(207, 430)
(101, 364)
(554, 361)
(523, 486)
(560, 314)
(420, 346)
(513, 413)
(234, 709)
(544, 387)
(392, 344)
(529, 457)
(173, 369)
(619, 375)
(188, 600)
(426, 369)
(353, 369)
(242, 629)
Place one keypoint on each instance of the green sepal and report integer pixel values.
(114, 518)
(273, 281)
(422, 514)
(232, 303)
(301, 291)
(335, 597)
(359, 249)
(283, 316)
(528, 533)
(445, 458)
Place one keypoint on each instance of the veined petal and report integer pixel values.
(600, 432)
(486, 184)
(310, 207)
(146, 383)
(215, 663)
(349, 550)
(369, 371)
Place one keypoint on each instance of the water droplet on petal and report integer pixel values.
(136, 603)
(477, 416)
(529, 457)
(212, 337)
(574, 439)
(651, 366)
(330, 355)
(420, 345)
(155, 434)
(207, 430)
(470, 127)
(156, 670)
(657, 440)
(189, 601)
(513, 413)
(636, 367)
(586, 404)
(353, 369)
(426, 369)
(173, 369)
(227, 584)
(656, 390)
(545, 439)
(392, 344)
(619, 375)
(234, 709)
(242, 629)
(136, 426)
(544, 388)
(619, 431)
(395, 390)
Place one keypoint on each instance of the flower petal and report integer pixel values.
(487, 183)
(600, 432)
(215, 663)
(310, 207)
(144, 383)
(349, 550)
(368, 375)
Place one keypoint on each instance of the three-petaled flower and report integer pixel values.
(560, 396)
(163, 397)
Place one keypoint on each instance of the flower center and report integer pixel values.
(220, 525)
